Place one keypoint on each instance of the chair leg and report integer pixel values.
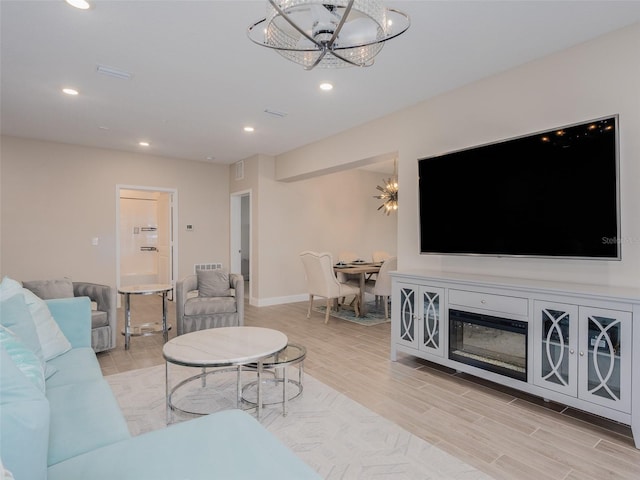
(310, 303)
(326, 317)
(385, 299)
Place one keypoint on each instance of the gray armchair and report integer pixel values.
(195, 311)
(103, 318)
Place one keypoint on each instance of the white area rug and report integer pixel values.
(336, 436)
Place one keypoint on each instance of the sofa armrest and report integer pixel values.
(73, 316)
(236, 282)
(183, 287)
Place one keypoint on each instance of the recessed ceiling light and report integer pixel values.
(81, 4)
(70, 91)
(210, 157)
(249, 129)
(326, 86)
(144, 144)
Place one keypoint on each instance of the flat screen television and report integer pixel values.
(551, 194)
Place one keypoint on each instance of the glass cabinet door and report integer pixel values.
(605, 360)
(408, 324)
(431, 320)
(555, 344)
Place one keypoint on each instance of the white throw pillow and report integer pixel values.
(8, 288)
(52, 340)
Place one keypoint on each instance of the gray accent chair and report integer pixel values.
(194, 312)
(104, 319)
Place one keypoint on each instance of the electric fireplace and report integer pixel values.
(494, 344)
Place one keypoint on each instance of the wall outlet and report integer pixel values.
(189, 227)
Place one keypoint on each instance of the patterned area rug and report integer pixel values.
(336, 436)
(374, 316)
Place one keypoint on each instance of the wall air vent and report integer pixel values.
(206, 266)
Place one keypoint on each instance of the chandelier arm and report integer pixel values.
(337, 55)
(318, 60)
(290, 22)
(343, 19)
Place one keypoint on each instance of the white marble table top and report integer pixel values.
(224, 346)
(146, 289)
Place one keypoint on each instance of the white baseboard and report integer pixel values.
(266, 302)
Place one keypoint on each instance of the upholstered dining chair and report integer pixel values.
(322, 281)
(209, 299)
(347, 257)
(381, 286)
(380, 256)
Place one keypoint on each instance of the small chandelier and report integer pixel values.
(328, 34)
(389, 195)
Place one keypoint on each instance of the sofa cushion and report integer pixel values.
(213, 283)
(48, 289)
(24, 423)
(209, 305)
(227, 445)
(99, 319)
(76, 366)
(52, 340)
(84, 417)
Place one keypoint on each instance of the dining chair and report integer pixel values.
(381, 286)
(348, 257)
(322, 281)
(380, 256)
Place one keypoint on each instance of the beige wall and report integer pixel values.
(590, 80)
(55, 198)
(333, 213)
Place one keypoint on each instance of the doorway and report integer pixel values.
(240, 238)
(145, 236)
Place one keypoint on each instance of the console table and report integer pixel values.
(577, 343)
(145, 328)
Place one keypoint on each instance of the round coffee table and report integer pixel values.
(218, 348)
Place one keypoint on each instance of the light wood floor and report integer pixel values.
(506, 434)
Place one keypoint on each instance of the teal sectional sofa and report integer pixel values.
(76, 430)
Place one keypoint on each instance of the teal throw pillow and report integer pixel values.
(22, 356)
(15, 315)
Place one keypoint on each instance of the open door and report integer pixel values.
(146, 236)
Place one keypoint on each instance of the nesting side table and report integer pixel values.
(278, 363)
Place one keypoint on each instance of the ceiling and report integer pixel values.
(197, 80)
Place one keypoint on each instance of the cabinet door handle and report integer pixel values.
(572, 351)
(582, 354)
(483, 301)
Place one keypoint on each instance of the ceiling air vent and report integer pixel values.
(113, 72)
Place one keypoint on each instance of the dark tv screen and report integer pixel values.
(548, 194)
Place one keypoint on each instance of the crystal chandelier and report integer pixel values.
(328, 34)
(389, 195)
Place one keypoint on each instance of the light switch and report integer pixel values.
(94, 241)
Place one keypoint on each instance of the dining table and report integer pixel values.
(362, 269)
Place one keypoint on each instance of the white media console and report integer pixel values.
(570, 343)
